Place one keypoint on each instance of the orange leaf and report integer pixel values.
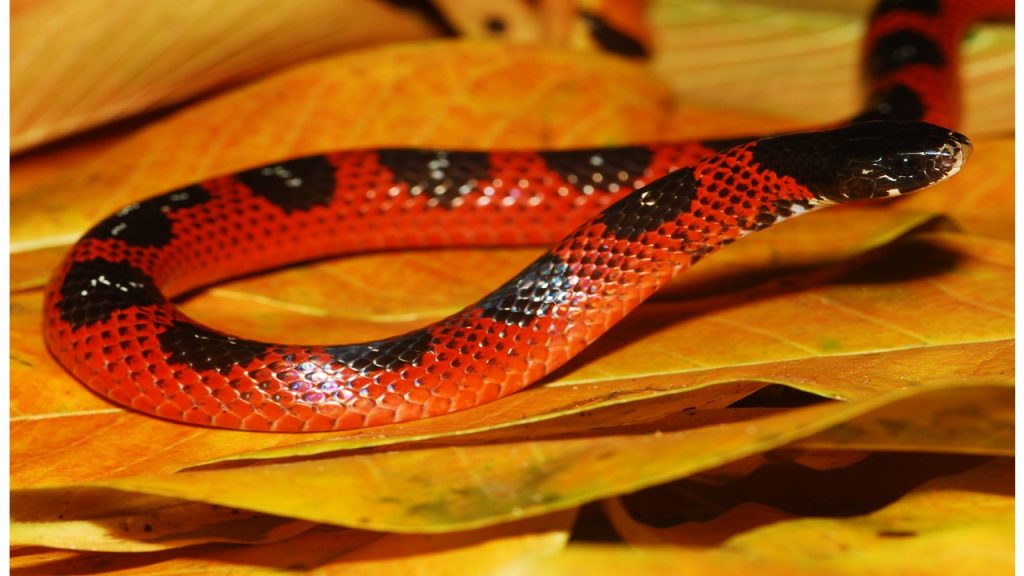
(476, 95)
(961, 524)
(868, 340)
(976, 421)
(96, 519)
(329, 549)
(484, 484)
(980, 201)
(80, 63)
(842, 318)
(799, 60)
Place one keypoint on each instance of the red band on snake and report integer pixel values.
(659, 209)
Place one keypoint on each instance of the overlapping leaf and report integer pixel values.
(866, 340)
(958, 524)
(80, 63)
(483, 96)
(903, 311)
(332, 549)
(98, 519)
(799, 59)
(496, 480)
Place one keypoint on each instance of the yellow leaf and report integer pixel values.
(977, 420)
(480, 95)
(981, 201)
(483, 484)
(383, 291)
(81, 63)
(962, 524)
(856, 338)
(30, 270)
(800, 59)
(329, 550)
(95, 519)
(853, 309)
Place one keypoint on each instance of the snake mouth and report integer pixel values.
(938, 165)
(951, 156)
(947, 162)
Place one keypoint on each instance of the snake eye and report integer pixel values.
(911, 165)
(908, 163)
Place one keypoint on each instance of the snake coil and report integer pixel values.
(659, 209)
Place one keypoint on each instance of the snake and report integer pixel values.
(621, 222)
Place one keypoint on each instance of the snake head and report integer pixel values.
(866, 160)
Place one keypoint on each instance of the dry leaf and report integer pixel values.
(77, 64)
(800, 60)
(379, 288)
(880, 306)
(483, 484)
(980, 201)
(961, 524)
(82, 63)
(477, 94)
(327, 550)
(97, 519)
(975, 421)
(865, 329)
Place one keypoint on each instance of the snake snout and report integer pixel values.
(906, 157)
(945, 159)
(951, 156)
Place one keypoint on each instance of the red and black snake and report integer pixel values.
(659, 209)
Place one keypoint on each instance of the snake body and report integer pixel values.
(659, 209)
